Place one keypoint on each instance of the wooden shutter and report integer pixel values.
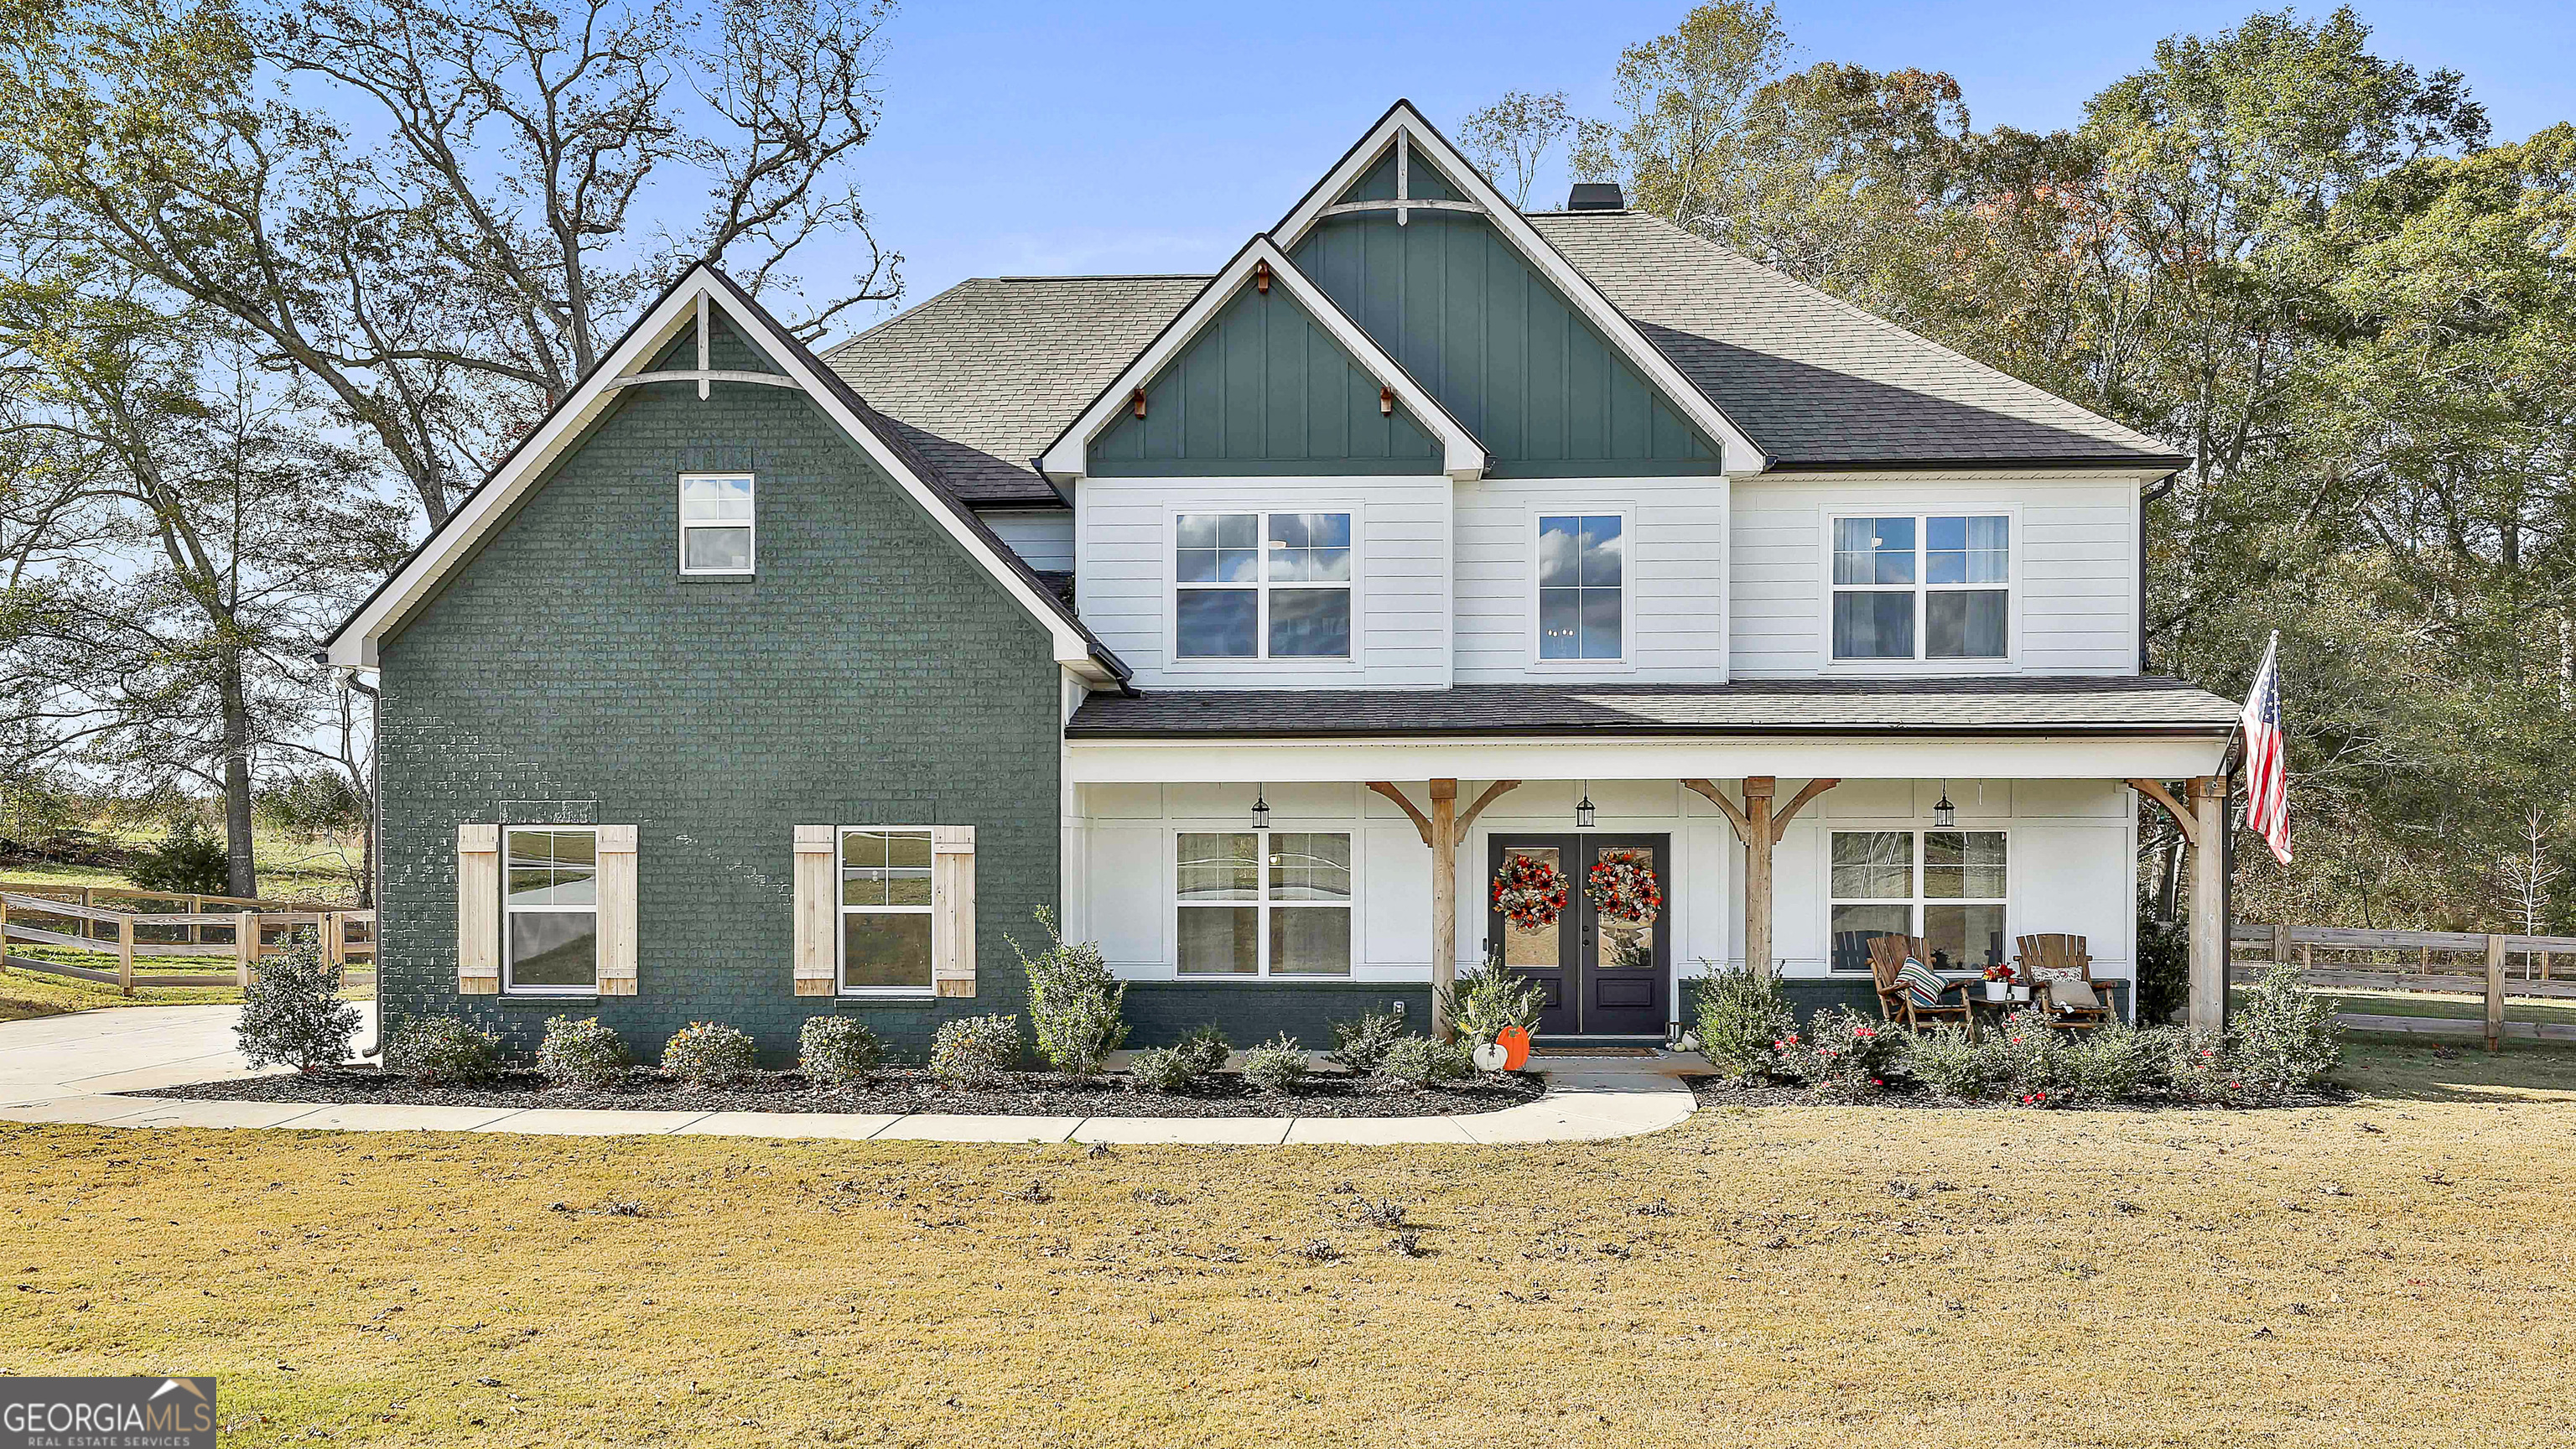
(817, 912)
(952, 910)
(617, 910)
(478, 910)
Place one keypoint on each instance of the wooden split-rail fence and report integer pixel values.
(2495, 966)
(118, 924)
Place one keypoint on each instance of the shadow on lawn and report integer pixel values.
(2404, 1068)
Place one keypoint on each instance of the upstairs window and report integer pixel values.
(1262, 586)
(1933, 586)
(1582, 587)
(715, 523)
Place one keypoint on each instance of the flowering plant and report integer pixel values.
(2002, 971)
(1529, 892)
(1623, 887)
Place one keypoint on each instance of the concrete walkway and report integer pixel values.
(82, 1067)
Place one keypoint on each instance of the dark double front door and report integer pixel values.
(1597, 982)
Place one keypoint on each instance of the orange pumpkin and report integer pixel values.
(1515, 1043)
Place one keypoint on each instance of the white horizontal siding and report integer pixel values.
(1043, 538)
(1400, 533)
(2075, 548)
(1677, 570)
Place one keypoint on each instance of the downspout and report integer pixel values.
(2151, 495)
(375, 836)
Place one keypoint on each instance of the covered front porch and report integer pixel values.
(1253, 874)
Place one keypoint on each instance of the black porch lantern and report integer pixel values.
(1583, 809)
(1945, 814)
(1260, 808)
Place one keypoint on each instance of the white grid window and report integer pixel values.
(1261, 586)
(1929, 586)
(1582, 587)
(715, 523)
(1947, 886)
(885, 911)
(550, 909)
(1264, 903)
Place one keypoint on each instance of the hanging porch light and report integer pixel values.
(1945, 814)
(1260, 807)
(1583, 810)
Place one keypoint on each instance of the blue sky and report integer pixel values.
(1155, 135)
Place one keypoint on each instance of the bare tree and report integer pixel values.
(2528, 876)
(1511, 138)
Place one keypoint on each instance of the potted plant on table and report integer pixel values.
(1999, 981)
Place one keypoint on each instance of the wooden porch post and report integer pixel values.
(1758, 792)
(1444, 902)
(2209, 905)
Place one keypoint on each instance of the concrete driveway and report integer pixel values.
(123, 1049)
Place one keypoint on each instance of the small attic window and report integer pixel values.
(715, 525)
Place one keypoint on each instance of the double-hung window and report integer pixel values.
(550, 908)
(715, 523)
(885, 911)
(1261, 586)
(1582, 587)
(1930, 586)
(1947, 886)
(1264, 903)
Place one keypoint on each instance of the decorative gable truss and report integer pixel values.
(1449, 182)
(640, 357)
(1262, 264)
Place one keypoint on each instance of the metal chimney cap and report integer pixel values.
(1596, 196)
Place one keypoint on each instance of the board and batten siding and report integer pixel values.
(1400, 577)
(1677, 577)
(1042, 537)
(2075, 568)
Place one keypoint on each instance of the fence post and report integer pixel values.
(335, 946)
(125, 954)
(245, 946)
(2280, 945)
(2495, 993)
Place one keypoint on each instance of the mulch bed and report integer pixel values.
(1715, 1091)
(1034, 1094)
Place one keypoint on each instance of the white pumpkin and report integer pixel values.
(1490, 1056)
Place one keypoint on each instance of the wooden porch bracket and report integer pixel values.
(2181, 817)
(1493, 792)
(1420, 821)
(1707, 789)
(1797, 802)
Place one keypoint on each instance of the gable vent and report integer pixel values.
(1596, 196)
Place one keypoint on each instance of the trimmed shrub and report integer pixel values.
(1208, 1047)
(439, 1050)
(2164, 965)
(293, 1012)
(1277, 1064)
(2186, 1066)
(1842, 1057)
(1418, 1061)
(188, 861)
(2104, 1064)
(2030, 1058)
(1075, 1005)
(1743, 1014)
(1171, 1069)
(1491, 998)
(1951, 1063)
(710, 1054)
(838, 1051)
(581, 1053)
(1361, 1043)
(974, 1053)
(2281, 1038)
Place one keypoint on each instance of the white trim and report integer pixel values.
(1922, 589)
(355, 645)
(2072, 756)
(1462, 457)
(1174, 662)
(1626, 663)
(509, 963)
(1262, 904)
(842, 909)
(1406, 124)
(749, 526)
(1917, 827)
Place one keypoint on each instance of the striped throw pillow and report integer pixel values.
(1921, 982)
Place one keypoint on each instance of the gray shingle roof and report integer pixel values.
(983, 376)
(1814, 380)
(2109, 705)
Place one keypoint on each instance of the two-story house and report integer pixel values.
(1256, 621)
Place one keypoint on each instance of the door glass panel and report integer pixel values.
(1544, 946)
(1620, 940)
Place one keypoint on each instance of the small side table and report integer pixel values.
(1981, 1010)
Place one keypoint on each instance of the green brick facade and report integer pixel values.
(873, 673)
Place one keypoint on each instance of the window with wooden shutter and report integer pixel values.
(617, 910)
(478, 910)
(952, 900)
(818, 910)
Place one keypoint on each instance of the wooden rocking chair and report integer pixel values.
(2056, 956)
(1886, 955)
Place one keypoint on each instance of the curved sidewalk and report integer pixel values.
(71, 1068)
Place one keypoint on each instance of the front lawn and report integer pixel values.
(2392, 1271)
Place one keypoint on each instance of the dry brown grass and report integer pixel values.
(1748, 1278)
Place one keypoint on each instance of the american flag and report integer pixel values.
(2267, 778)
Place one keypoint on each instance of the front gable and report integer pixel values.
(1263, 388)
